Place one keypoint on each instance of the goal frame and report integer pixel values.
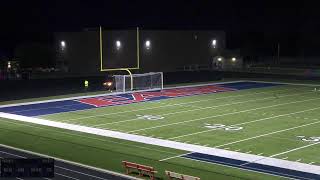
(132, 79)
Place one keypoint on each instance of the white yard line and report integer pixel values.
(268, 159)
(243, 169)
(166, 143)
(267, 134)
(295, 149)
(248, 122)
(191, 110)
(168, 105)
(199, 119)
(172, 157)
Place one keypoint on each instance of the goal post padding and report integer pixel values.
(146, 81)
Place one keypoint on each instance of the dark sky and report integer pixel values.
(260, 24)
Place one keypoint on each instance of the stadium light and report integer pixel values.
(63, 44)
(148, 44)
(118, 44)
(9, 65)
(233, 59)
(214, 43)
(220, 59)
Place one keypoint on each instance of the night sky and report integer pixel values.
(255, 26)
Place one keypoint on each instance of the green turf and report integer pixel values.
(107, 153)
(271, 119)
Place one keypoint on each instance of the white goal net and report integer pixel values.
(146, 81)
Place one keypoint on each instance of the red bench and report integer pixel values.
(142, 169)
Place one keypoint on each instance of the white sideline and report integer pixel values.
(171, 144)
(110, 94)
(176, 87)
(295, 84)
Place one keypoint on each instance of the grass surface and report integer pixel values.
(270, 122)
(107, 153)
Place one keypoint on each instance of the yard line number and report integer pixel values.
(309, 139)
(150, 117)
(223, 127)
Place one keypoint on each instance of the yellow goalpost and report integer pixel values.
(127, 69)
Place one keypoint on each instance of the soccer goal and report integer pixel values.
(135, 82)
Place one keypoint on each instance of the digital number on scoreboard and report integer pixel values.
(37, 167)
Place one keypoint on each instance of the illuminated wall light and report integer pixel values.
(214, 43)
(148, 44)
(233, 59)
(220, 59)
(63, 44)
(118, 44)
(9, 65)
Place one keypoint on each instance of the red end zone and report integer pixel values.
(112, 100)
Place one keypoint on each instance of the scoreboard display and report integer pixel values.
(37, 167)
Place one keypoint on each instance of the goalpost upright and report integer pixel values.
(127, 69)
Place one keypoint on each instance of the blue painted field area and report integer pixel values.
(46, 108)
(252, 166)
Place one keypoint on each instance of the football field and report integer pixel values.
(268, 120)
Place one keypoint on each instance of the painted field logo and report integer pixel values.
(309, 139)
(224, 127)
(150, 117)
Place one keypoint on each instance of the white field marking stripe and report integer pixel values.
(88, 137)
(295, 84)
(66, 176)
(117, 93)
(172, 157)
(195, 109)
(278, 154)
(80, 172)
(220, 115)
(167, 143)
(109, 94)
(69, 162)
(59, 107)
(275, 132)
(296, 149)
(248, 122)
(169, 105)
(146, 101)
(231, 166)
